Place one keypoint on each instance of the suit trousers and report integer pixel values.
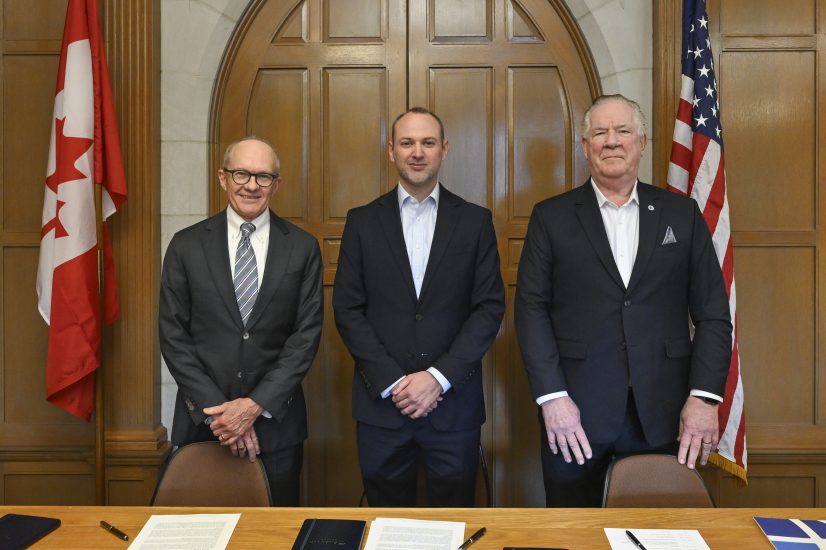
(389, 460)
(283, 467)
(569, 485)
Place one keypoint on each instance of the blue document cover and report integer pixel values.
(18, 531)
(794, 534)
(330, 534)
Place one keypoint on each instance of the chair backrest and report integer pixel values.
(654, 481)
(207, 474)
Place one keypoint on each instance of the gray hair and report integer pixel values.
(639, 117)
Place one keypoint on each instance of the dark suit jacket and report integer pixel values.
(212, 357)
(582, 331)
(390, 333)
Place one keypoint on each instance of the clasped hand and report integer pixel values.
(232, 423)
(417, 394)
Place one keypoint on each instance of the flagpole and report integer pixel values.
(100, 443)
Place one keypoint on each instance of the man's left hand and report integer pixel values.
(233, 419)
(417, 394)
(698, 432)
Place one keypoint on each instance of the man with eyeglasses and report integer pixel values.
(240, 322)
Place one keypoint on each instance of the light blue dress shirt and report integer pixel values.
(418, 225)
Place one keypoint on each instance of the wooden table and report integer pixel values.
(722, 528)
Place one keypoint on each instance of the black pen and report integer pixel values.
(114, 530)
(634, 539)
(473, 538)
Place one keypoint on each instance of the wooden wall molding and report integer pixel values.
(667, 43)
(134, 434)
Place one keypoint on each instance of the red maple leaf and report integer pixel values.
(54, 223)
(67, 150)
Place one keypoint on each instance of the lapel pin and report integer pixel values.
(651, 207)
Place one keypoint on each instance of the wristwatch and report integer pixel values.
(707, 400)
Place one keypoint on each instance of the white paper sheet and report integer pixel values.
(186, 532)
(414, 534)
(657, 539)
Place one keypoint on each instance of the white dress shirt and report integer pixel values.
(622, 225)
(418, 225)
(260, 241)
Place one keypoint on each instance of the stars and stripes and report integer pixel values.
(697, 170)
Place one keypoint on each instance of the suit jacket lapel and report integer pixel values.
(278, 257)
(217, 254)
(649, 222)
(446, 219)
(587, 210)
(391, 225)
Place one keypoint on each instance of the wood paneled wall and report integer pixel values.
(47, 455)
(770, 70)
(769, 59)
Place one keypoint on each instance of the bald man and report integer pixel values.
(240, 322)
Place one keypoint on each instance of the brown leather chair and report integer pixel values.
(206, 474)
(654, 481)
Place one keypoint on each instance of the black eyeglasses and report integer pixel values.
(241, 177)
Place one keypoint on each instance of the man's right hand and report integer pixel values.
(564, 429)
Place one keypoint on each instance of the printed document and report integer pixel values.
(186, 532)
(414, 534)
(657, 539)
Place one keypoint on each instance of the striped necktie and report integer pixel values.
(246, 273)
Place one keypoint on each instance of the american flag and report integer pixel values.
(697, 170)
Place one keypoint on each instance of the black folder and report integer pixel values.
(319, 534)
(18, 531)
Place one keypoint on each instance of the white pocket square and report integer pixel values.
(669, 236)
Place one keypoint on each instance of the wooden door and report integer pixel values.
(323, 80)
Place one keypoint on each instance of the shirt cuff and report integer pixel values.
(386, 393)
(701, 393)
(266, 414)
(548, 396)
(440, 379)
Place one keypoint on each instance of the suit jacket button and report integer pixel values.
(419, 316)
(240, 374)
(623, 346)
(246, 336)
(626, 303)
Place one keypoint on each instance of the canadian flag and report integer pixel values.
(84, 151)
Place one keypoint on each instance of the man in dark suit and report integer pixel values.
(608, 276)
(240, 321)
(418, 300)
